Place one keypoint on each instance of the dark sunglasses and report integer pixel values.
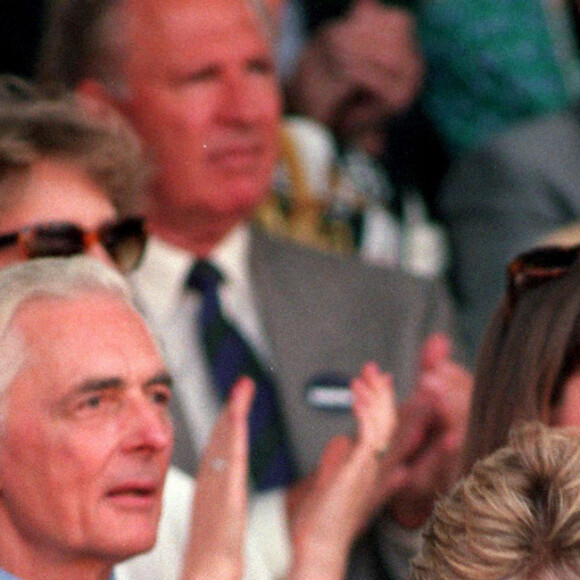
(537, 266)
(123, 239)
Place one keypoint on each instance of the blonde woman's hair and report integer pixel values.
(516, 516)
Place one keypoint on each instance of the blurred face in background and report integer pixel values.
(202, 93)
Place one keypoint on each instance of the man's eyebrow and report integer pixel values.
(88, 386)
(161, 378)
(95, 385)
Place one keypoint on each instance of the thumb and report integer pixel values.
(241, 397)
(436, 348)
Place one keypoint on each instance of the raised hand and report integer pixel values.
(341, 496)
(218, 527)
(432, 427)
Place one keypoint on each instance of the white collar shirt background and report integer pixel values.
(267, 547)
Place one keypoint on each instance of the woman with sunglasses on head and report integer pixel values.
(528, 366)
(502, 521)
(71, 184)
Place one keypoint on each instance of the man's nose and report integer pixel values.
(240, 99)
(94, 248)
(149, 427)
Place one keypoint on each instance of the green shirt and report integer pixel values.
(494, 63)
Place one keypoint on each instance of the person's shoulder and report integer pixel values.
(541, 137)
(286, 255)
(532, 134)
(537, 150)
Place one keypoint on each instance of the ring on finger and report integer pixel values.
(219, 464)
(380, 453)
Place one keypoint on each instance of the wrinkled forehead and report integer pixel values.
(87, 334)
(75, 314)
(169, 20)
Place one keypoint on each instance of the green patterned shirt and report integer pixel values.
(493, 63)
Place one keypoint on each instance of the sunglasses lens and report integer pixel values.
(55, 240)
(125, 242)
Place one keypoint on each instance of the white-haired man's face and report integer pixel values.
(86, 439)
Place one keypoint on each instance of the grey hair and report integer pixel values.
(266, 19)
(25, 282)
(35, 127)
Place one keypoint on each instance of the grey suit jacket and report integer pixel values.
(501, 199)
(325, 314)
(328, 315)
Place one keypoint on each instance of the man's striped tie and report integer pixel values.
(229, 357)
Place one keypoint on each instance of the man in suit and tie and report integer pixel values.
(197, 81)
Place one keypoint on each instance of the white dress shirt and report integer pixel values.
(171, 310)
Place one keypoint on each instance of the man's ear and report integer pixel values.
(95, 99)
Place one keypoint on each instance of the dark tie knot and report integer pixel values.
(204, 276)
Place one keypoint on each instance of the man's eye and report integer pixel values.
(262, 67)
(201, 75)
(162, 396)
(98, 403)
(93, 402)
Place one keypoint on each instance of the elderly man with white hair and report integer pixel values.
(86, 438)
(86, 435)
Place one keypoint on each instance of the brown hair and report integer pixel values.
(523, 362)
(35, 127)
(516, 516)
(79, 42)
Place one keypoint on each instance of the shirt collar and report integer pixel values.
(231, 256)
(160, 279)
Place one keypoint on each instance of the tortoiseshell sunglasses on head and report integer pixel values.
(533, 268)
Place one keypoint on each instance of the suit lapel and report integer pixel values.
(295, 330)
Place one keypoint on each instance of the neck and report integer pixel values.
(42, 564)
(198, 235)
(26, 555)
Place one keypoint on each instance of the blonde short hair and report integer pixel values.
(516, 516)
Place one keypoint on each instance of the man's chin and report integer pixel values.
(131, 538)
(240, 197)
(134, 547)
